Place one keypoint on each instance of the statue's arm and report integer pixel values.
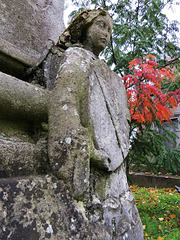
(69, 143)
(70, 146)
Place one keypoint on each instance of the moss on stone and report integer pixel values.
(103, 12)
(14, 129)
(101, 187)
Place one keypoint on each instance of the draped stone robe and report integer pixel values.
(88, 142)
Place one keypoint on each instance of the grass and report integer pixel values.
(159, 210)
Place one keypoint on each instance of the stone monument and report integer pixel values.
(63, 145)
(88, 129)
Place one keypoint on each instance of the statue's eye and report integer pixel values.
(101, 24)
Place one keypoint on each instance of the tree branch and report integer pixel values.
(171, 61)
(113, 54)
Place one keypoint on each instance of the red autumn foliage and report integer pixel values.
(147, 102)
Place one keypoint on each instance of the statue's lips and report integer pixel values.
(104, 40)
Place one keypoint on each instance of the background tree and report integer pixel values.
(149, 104)
(141, 28)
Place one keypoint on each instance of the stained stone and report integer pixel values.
(21, 100)
(86, 101)
(63, 179)
(35, 208)
(28, 28)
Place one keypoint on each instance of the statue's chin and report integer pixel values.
(98, 50)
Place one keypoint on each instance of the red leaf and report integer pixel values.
(147, 103)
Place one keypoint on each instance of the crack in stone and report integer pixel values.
(108, 109)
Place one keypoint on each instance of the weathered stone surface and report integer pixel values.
(89, 95)
(27, 30)
(41, 208)
(23, 109)
(88, 100)
(21, 100)
(113, 206)
(21, 158)
(109, 113)
(51, 66)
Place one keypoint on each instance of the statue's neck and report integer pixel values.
(88, 46)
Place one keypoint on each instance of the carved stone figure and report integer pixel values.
(88, 129)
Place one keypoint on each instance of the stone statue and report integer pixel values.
(88, 129)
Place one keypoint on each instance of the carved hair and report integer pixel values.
(75, 33)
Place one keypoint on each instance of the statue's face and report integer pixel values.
(99, 34)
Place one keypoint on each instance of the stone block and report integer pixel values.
(28, 29)
(159, 181)
(41, 208)
(20, 100)
(21, 158)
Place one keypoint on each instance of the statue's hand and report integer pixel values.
(101, 159)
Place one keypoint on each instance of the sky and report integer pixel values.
(173, 14)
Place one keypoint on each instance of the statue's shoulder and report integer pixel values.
(79, 53)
